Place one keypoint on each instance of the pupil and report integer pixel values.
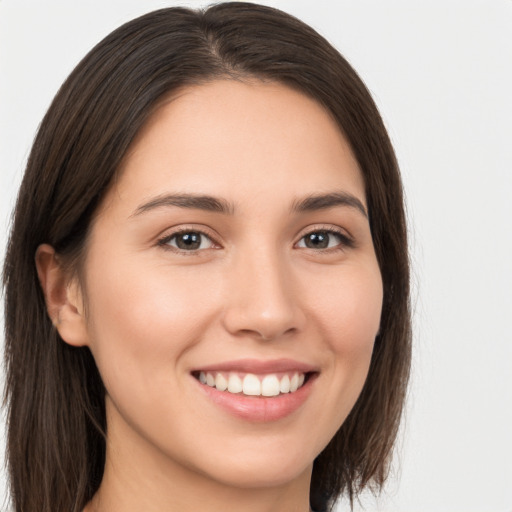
(318, 240)
(189, 241)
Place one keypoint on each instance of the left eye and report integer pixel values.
(188, 241)
(322, 239)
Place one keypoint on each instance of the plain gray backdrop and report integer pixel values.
(441, 74)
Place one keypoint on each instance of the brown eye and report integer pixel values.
(323, 239)
(188, 241)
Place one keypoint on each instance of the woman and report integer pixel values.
(210, 249)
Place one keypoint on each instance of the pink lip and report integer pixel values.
(257, 366)
(258, 408)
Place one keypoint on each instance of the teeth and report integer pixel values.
(220, 382)
(284, 385)
(251, 384)
(234, 383)
(270, 386)
(294, 382)
(210, 380)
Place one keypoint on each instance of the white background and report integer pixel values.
(441, 73)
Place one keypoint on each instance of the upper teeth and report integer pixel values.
(253, 385)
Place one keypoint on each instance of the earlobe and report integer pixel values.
(63, 297)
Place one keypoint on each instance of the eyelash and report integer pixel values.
(345, 242)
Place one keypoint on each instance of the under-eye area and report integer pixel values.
(250, 384)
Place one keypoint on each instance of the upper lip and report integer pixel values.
(259, 366)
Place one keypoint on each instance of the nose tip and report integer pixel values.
(266, 327)
(251, 321)
(262, 303)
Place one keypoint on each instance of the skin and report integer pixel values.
(151, 313)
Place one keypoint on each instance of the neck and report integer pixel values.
(124, 493)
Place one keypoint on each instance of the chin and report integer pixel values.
(263, 466)
(272, 472)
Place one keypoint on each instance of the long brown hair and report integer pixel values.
(54, 393)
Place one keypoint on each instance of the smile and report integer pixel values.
(249, 384)
(257, 391)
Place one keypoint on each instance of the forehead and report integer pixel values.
(232, 138)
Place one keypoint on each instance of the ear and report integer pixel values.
(63, 297)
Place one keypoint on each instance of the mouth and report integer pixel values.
(257, 391)
(254, 385)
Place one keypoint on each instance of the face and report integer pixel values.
(233, 293)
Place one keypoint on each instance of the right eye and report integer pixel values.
(189, 241)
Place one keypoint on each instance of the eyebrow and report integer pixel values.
(325, 201)
(218, 205)
(192, 201)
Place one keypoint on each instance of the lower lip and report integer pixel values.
(259, 408)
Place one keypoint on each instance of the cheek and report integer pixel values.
(144, 320)
(350, 312)
(349, 317)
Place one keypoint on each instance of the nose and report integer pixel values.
(262, 301)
